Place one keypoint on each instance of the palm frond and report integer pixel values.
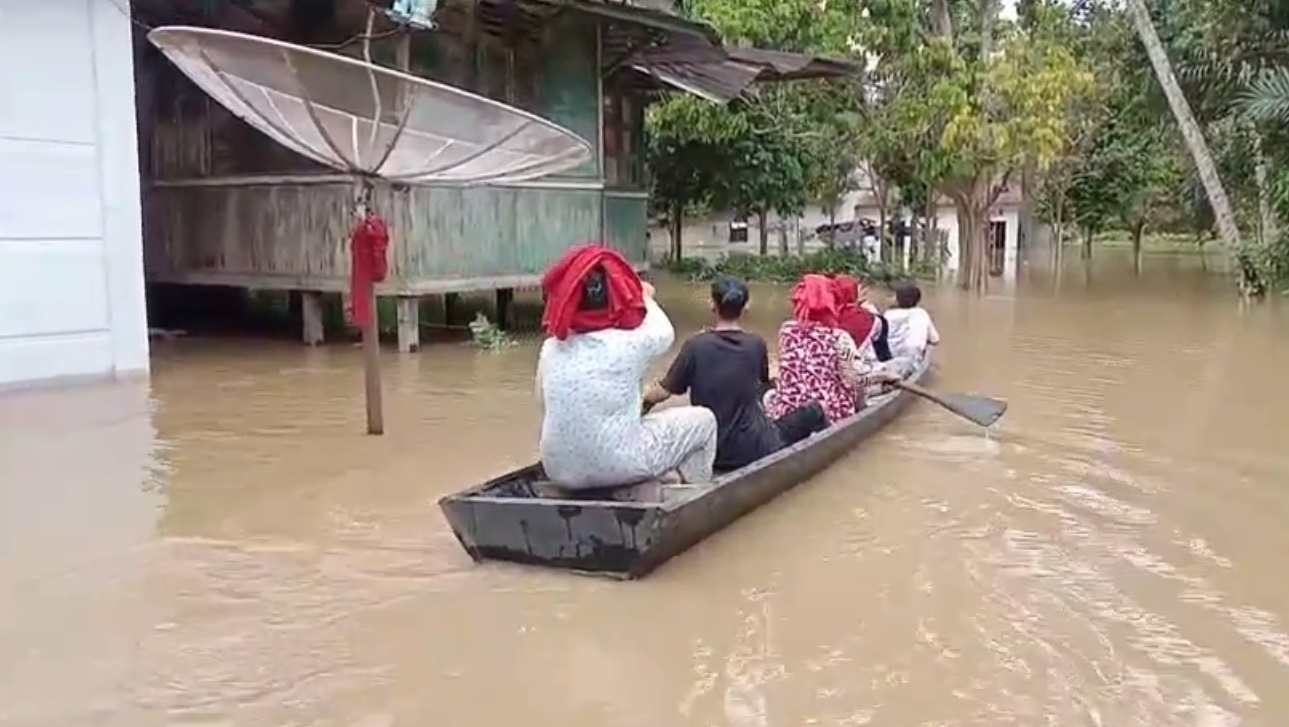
(1266, 98)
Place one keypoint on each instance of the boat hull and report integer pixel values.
(507, 519)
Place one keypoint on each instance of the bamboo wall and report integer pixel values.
(294, 236)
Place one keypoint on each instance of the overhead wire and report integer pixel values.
(123, 7)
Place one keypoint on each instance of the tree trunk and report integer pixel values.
(1026, 221)
(1268, 228)
(1058, 232)
(763, 233)
(1138, 229)
(972, 233)
(1087, 244)
(880, 189)
(677, 228)
(930, 236)
(941, 19)
(966, 233)
(832, 227)
(1190, 129)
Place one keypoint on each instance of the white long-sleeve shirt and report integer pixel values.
(910, 332)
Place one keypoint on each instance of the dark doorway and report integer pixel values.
(997, 247)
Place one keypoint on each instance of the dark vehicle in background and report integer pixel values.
(847, 235)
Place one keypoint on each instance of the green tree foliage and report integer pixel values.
(768, 152)
(771, 167)
(987, 96)
(687, 150)
(956, 101)
(1233, 61)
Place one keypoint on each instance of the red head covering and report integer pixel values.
(851, 318)
(813, 301)
(563, 288)
(846, 289)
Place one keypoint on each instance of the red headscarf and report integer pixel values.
(813, 301)
(563, 288)
(851, 318)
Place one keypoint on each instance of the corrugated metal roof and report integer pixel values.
(722, 74)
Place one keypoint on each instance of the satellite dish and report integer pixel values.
(371, 122)
(365, 119)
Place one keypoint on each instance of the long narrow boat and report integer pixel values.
(513, 518)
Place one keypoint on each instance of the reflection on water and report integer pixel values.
(228, 548)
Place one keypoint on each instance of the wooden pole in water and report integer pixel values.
(371, 333)
(371, 326)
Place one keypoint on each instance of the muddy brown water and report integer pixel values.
(227, 548)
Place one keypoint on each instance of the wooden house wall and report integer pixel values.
(449, 238)
(626, 222)
(225, 205)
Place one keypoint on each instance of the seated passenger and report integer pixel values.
(912, 331)
(866, 328)
(818, 362)
(725, 369)
(854, 317)
(605, 329)
(880, 346)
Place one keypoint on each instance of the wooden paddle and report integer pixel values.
(981, 410)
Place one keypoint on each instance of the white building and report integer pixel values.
(71, 251)
(722, 234)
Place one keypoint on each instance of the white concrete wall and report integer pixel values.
(71, 251)
(709, 237)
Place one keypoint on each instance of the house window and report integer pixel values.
(738, 230)
(623, 138)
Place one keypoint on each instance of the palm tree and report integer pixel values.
(1227, 229)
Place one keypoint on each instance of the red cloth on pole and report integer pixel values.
(562, 285)
(368, 245)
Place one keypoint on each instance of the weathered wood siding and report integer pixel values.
(225, 205)
(487, 233)
(626, 223)
(568, 87)
(295, 235)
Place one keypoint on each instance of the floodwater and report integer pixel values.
(228, 548)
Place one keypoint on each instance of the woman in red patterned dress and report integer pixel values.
(818, 360)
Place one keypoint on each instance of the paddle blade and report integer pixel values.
(980, 409)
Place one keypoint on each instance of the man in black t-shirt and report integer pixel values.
(727, 369)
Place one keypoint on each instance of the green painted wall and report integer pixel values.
(626, 224)
(568, 90)
(489, 232)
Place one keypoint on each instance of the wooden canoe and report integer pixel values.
(509, 519)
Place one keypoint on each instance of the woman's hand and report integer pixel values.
(648, 289)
